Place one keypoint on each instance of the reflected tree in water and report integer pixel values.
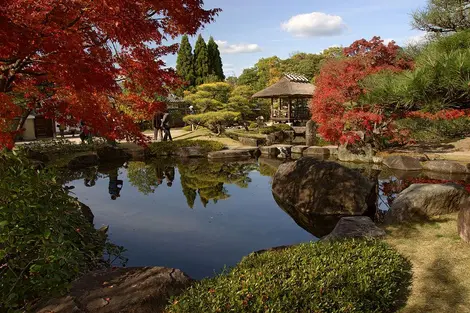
(145, 177)
(208, 179)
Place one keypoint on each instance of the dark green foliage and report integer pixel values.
(435, 131)
(201, 61)
(347, 276)
(45, 241)
(215, 62)
(443, 16)
(306, 64)
(439, 80)
(185, 62)
(274, 128)
(170, 147)
(215, 121)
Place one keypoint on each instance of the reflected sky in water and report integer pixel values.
(158, 228)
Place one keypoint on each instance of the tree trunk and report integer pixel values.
(22, 120)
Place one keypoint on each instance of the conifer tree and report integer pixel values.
(201, 61)
(215, 62)
(185, 62)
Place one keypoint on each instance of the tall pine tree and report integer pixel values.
(215, 62)
(201, 61)
(185, 62)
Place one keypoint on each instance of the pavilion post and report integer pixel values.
(272, 108)
(289, 110)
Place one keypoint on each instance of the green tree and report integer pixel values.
(201, 61)
(210, 97)
(240, 101)
(443, 16)
(215, 61)
(332, 52)
(306, 64)
(232, 80)
(249, 77)
(185, 62)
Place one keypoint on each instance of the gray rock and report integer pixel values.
(36, 155)
(111, 154)
(254, 151)
(311, 133)
(190, 152)
(271, 151)
(83, 161)
(333, 149)
(124, 290)
(363, 155)
(254, 142)
(276, 138)
(402, 162)
(324, 188)
(316, 151)
(86, 212)
(229, 154)
(355, 227)
(444, 166)
(463, 223)
(298, 149)
(421, 201)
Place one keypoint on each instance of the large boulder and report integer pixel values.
(355, 227)
(402, 162)
(444, 166)
(254, 142)
(324, 188)
(36, 155)
(112, 154)
(123, 290)
(422, 201)
(229, 154)
(463, 222)
(277, 138)
(83, 161)
(299, 149)
(313, 151)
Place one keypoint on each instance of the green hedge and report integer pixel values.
(170, 147)
(274, 128)
(435, 131)
(356, 276)
(215, 121)
(45, 241)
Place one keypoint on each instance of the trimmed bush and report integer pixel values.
(215, 121)
(170, 147)
(274, 128)
(45, 241)
(356, 276)
(435, 131)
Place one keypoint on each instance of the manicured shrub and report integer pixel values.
(274, 128)
(215, 121)
(45, 241)
(187, 128)
(348, 276)
(170, 147)
(435, 131)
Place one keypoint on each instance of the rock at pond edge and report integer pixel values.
(355, 227)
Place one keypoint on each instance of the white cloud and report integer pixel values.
(416, 39)
(226, 48)
(315, 24)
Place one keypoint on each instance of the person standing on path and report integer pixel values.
(166, 126)
(157, 126)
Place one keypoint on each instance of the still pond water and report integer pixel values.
(195, 215)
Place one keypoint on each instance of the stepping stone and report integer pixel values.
(229, 154)
(316, 151)
(254, 151)
(298, 149)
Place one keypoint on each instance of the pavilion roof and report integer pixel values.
(291, 85)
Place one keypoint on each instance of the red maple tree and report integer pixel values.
(78, 60)
(335, 106)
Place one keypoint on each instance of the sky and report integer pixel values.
(247, 30)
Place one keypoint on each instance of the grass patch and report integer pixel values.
(171, 147)
(346, 276)
(441, 280)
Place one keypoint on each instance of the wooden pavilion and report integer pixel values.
(290, 99)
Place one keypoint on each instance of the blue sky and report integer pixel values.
(248, 30)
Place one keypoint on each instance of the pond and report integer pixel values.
(200, 216)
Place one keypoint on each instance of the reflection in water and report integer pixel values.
(234, 215)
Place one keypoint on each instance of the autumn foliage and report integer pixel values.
(72, 60)
(337, 106)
